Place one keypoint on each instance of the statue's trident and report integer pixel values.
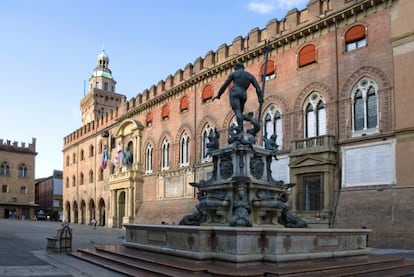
(267, 50)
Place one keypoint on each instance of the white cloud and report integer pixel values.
(271, 6)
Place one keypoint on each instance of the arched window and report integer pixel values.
(165, 112)
(22, 170)
(273, 124)
(149, 119)
(90, 176)
(82, 155)
(165, 155)
(81, 179)
(91, 150)
(307, 55)
(100, 176)
(184, 149)
(206, 132)
(73, 158)
(315, 116)
(184, 104)
(67, 182)
(67, 160)
(73, 181)
(365, 107)
(355, 38)
(4, 169)
(149, 158)
(270, 70)
(207, 93)
(100, 145)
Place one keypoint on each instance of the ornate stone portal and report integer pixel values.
(242, 191)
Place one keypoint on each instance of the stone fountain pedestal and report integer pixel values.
(241, 245)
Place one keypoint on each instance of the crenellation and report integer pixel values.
(222, 53)
(209, 59)
(14, 146)
(153, 91)
(178, 77)
(188, 71)
(254, 37)
(292, 20)
(160, 86)
(168, 82)
(198, 65)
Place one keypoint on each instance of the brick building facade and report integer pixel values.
(337, 95)
(17, 171)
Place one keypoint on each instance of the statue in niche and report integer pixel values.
(241, 208)
(238, 93)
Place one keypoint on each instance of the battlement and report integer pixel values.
(244, 48)
(296, 25)
(8, 145)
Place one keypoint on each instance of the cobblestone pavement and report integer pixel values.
(23, 249)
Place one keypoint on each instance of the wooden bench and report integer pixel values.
(62, 241)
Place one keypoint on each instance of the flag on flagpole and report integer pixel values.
(120, 155)
(104, 158)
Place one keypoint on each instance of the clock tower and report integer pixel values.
(101, 97)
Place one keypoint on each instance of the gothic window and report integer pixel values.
(165, 155)
(307, 55)
(184, 104)
(81, 179)
(184, 149)
(22, 171)
(4, 169)
(100, 176)
(207, 93)
(315, 116)
(100, 149)
(90, 176)
(149, 119)
(73, 181)
(270, 70)
(273, 124)
(355, 38)
(82, 155)
(165, 112)
(148, 158)
(91, 151)
(206, 132)
(310, 193)
(365, 107)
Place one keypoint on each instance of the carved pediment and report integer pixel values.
(308, 161)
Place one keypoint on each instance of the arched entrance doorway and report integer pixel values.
(75, 212)
(91, 207)
(83, 212)
(102, 214)
(67, 214)
(121, 208)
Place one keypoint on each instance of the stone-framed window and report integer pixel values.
(184, 150)
(355, 38)
(315, 116)
(272, 122)
(165, 155)
(149, 158)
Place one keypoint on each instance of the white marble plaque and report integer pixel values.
(368, 164)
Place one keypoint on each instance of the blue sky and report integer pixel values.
(49, 48)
